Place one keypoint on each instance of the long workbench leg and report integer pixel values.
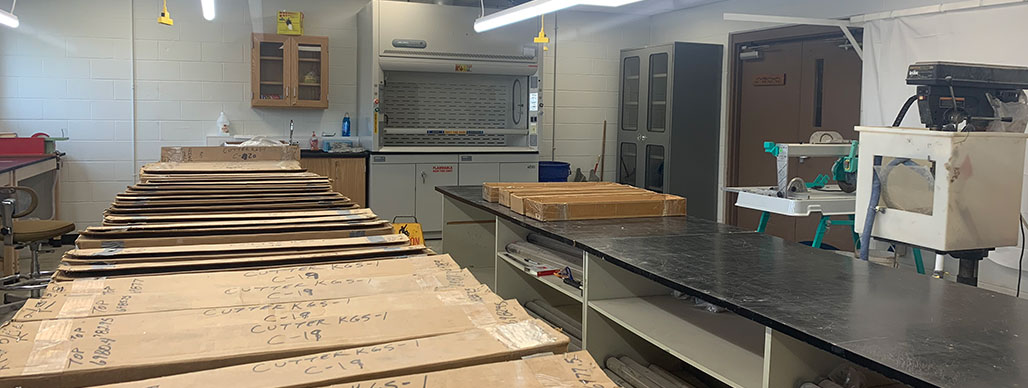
(918, 262)
(822, 228)
(764, 217)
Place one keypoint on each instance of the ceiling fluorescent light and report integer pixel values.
(521, 12)
(535, 8)
(8, 18)
(208, 9)
(607, 3)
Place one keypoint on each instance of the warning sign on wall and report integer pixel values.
(442, 168)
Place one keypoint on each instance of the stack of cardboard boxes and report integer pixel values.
(558, 201)
(227, 273)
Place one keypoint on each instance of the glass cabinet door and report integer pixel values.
(627, 157)
(630, 94)
(269, 81)
(655, 167)
(656, 101)
(311, 64)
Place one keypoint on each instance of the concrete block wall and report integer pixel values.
(586, 49)
(74, 66)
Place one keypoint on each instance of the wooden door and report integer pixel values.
(817, 88)
(770, 112)
(310, 77)
(831, 102)
(270, 69)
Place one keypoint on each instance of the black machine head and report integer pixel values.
(949, 93)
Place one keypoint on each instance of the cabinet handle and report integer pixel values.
(423, 176)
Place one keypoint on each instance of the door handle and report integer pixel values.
(423, 177)
(641, 138)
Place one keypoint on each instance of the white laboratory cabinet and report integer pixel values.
(404, 184)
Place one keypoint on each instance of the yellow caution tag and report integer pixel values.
(412, 230)
(375, 120)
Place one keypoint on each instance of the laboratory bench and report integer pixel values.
(41, 173)
(793, 312)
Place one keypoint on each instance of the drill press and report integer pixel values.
(968, 175)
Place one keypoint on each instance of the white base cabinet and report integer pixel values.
(404, 184)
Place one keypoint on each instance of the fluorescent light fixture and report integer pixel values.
(521, 12)
(607, 3)
(208, 9)
(8, 19)
(535, 8)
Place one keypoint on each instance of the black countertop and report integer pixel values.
(919, 330)
(13, 162)
(323, 154)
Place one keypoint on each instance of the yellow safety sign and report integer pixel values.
(411, 229)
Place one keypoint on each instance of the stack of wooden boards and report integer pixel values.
(298, 306)
(558, 201)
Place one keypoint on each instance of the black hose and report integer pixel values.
(869, 218)
(876, 187)
(903, 111)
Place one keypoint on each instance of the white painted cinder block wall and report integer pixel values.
(587, 48)
(71, 65)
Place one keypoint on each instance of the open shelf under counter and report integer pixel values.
(549, 280)
(723, 345)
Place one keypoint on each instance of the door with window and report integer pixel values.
(645, 117)
(793, 88)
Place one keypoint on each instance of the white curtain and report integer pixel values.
(994, 35)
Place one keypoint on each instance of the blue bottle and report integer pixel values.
(346, 125)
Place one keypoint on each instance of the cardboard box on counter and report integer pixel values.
(589, 208)
(160, 283)
(293, 289)
(556, 188)
(491, 190)
(99, 268)
(569, 370)
(476, 346)
(517, 198)
(103, 350)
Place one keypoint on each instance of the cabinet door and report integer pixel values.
(392, 190)
(270, 67)
(655, 136)
(429, 203)
(310, 78)
(478, 173)
(519, 172)
(631, 116)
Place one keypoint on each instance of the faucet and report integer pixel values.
(291, 133)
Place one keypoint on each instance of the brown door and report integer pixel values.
(820, 92)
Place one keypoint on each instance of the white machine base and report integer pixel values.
(830, 203)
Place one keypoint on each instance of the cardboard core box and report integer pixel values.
(476, 346)
(571, 370)
(101, 350)
(242, 294)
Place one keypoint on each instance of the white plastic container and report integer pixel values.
(976, 198)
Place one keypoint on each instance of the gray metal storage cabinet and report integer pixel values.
(670, 121)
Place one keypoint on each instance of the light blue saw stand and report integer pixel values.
(822, 228)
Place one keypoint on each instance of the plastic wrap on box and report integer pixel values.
(571, 208)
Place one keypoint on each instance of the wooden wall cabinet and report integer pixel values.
(289, 71)
(349, 175)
